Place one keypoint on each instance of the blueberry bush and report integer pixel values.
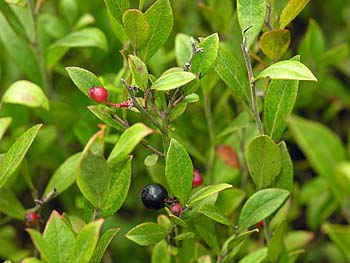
(174, 131)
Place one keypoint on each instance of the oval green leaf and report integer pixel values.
(291, 10)
(207, 191)
(214, 213)
(130, 138)
(83, 79)
(10, 205)
(136, 27)
(251, 14)
(117, 8)
(4, 124)
(105, 114)
(139, 71)
(179, 171)
(260, 205)
(173, 80)
(12, 159)
(284, 179)
(160, 253)
(146, 234)
(275, 43)
(102, 245)
(279, 102)
(26, 93)
(183, 48)
(264, 160)
(287, 69)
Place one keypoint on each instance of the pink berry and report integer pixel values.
(98, 94)
(31, 219)
(176, 209)
(197, 178)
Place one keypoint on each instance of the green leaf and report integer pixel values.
(284, 179)
(203, 61)
(120, 183)
(207, 191)
(206, 231)
(160, 253)
(151, 160)
(173, 80)
(20, 52)
(12, 19)
(241, 121)
(105, 114)
(12, 159)
(87, 37)
(102, 245)
(129, 139)
(279, 101)
(287, 69)
(83, 79)
(291, 10)
(26, 93)
(146, 234)
(86, 241)
(214, 213)
(276, 243)
(264, 160)
(117, 8)
(275, 43)
(93, 177)
(161, 21)
(41, 245)
(10, 205)
(139, 71)
(235, 240)
(4, 124)
(322, 147)
(297, 239)
(65, 175)
(251, 14)
(340, 235)
(136, 27)
(260, 205)
(230, 71)
(179, 171)
(255, 256)
(59, 238)
(183, 48)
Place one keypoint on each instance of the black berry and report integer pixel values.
(153, 196)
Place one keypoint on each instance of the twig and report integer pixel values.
(248, 64)
(47, 198)
(268, 17)
(195, 50)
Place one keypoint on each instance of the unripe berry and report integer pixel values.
(98, 94)
(197, 178)
(176, 209)
(31, 219)
(154, 196)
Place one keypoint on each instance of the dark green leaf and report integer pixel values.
(12, 19)
(139, 71)
(136, 27)
(130, 138)
(206, 231)
(241, 121)
(279, 101)
(284, 179)
(146, 234)
(291, 10)
(86, 241)
(160, 253)
(264, 160)
(102, 245)
(287, 69)
(16, 153)
(183, 48)
(230, 71)
(83, 79)
(276, 243)
(120, 183)
(42, 245)
(251, 14)
(255, 256)
(117, 8)
(179, 171)
(105, 114)
(260, 205)
(214, 213)
(340, 235)
(65, 175)
(10, 205)
(161, 21)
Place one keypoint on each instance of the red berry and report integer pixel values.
(197, 178)
(260, 224)
(31, 219)
(98, 94)
(176, 209)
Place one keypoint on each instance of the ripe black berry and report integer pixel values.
(153, 196)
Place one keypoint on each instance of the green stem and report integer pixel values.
(210, 124)
(34, 13)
